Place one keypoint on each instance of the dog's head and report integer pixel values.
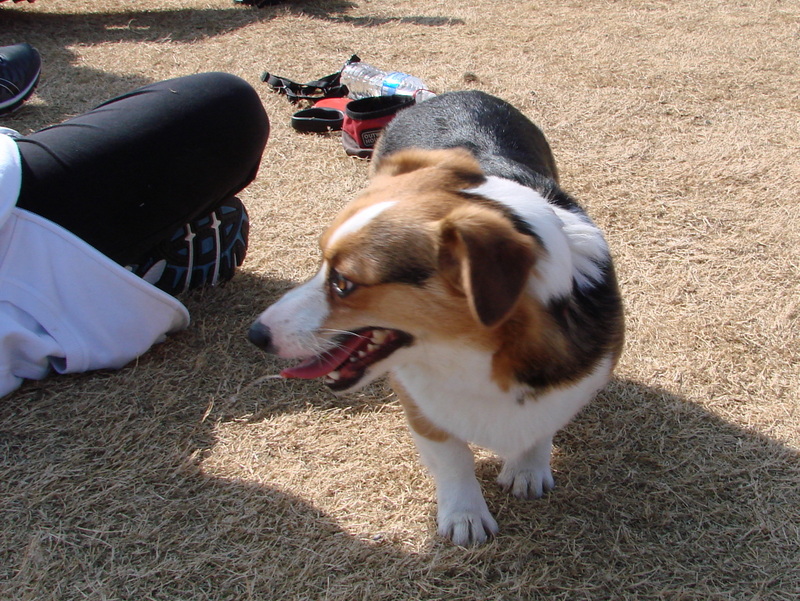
(416, 257)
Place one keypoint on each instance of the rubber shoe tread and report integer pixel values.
(204, 252)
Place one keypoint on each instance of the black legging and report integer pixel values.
(126, 174)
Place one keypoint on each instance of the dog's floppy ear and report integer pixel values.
(485, 258)
(457, 162)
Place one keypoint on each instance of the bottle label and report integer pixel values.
(391, 83)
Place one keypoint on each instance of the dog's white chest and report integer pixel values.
(454, 390)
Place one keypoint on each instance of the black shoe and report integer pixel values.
(204, 252)
(259, 3)
(20, 66)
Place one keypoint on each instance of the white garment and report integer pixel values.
(63, 304)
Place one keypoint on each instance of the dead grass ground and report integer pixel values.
(677, 123)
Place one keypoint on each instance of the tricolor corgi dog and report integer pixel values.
(483, 289)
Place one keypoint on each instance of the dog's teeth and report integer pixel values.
(362, 354)
(379, 336)
(334, 375)
(372, 347)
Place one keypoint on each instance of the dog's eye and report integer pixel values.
(340, 284)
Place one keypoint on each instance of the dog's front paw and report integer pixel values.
(467, 528)
(526, 483)
(528, 474)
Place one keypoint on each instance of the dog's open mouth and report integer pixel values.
(345, 364)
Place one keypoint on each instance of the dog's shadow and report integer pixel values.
(105, 495)
(650, 488)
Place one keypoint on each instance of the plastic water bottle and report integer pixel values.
(363, 80)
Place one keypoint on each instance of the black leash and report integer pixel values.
(329, 86)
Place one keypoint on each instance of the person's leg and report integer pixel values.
(124, 176)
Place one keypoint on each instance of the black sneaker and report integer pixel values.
(258, 3)
(20, 66)
(204, 252)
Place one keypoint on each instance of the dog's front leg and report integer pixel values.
(462, 515)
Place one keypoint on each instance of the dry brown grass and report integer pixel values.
(677, 123)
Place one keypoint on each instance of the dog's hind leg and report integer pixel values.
(528, 474)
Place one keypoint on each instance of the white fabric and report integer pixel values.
(63, 304)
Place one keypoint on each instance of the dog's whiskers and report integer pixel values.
(333, 331)
(326, 347)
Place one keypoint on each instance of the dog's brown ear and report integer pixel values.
(485, 258)
(457, 162)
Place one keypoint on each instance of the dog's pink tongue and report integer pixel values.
(325, 363)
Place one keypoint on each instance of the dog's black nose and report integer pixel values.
(259, 335)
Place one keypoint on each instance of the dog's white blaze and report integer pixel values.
(297, 315)
(486, 415)
(295, 319)
(574, 245)
(360, 219)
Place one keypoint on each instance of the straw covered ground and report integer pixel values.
(186, 476)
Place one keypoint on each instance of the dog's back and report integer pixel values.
(503, 140)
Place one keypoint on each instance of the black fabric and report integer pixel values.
(126, 174)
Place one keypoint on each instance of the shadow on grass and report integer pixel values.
(103, 495)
